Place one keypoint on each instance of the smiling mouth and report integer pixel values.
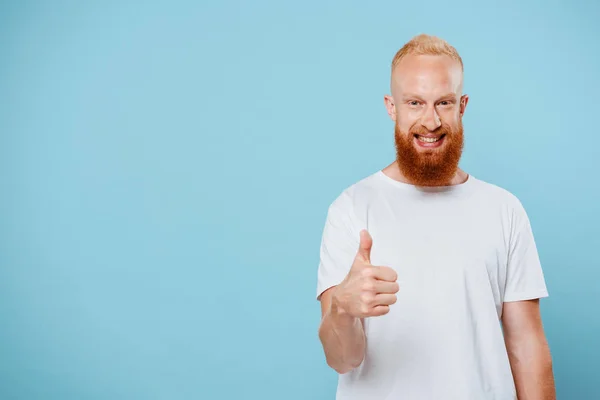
(428, 139)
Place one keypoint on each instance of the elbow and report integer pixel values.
(342, 371)
(345, 368)
(341, 366)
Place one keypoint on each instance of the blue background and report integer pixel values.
(166, 168)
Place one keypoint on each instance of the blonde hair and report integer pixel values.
(427, 44)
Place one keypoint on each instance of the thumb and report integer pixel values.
(366, 242)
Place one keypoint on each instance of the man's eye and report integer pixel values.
(413, 103)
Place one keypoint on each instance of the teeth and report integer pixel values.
(428, 140)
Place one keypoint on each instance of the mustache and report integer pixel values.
(421, 130)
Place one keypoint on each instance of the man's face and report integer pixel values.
(427, 108)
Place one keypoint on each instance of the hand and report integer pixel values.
(367, 290)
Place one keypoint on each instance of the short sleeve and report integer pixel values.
(524, 277)
(339, 244)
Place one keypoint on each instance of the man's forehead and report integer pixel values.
(427, 73)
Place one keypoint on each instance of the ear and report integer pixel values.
(463, 104)
(390, 106)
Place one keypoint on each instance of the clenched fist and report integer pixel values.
(367, 290)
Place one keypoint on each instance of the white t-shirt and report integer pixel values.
(460, 252)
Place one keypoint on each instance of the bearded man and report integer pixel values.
(429, 278)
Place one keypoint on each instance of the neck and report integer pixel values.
(393, 171)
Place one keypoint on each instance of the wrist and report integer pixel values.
(338, 312)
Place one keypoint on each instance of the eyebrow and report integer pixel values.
(447, 96)
(450, 96)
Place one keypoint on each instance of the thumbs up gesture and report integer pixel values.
(367, 290)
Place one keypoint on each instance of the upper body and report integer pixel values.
(460, 253)
(429, 278)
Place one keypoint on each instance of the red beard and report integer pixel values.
(429, 167)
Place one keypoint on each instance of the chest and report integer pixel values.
(441, 251)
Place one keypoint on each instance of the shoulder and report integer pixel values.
(356, 194)
(507, 202)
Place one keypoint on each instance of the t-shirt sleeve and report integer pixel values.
(339, 244)
(524, 277)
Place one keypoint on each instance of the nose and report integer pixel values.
(430, 119)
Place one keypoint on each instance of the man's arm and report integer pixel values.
(341, 335)
(528, 350)
(367, 291)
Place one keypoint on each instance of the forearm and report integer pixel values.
(343, 340)
(531, 365)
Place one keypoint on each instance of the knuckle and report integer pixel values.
(366, 298)
(369, 286)
(367, 272)
(364, 309)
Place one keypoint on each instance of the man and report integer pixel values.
(429, 278)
